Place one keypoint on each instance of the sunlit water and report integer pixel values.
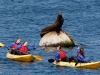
(25, 18)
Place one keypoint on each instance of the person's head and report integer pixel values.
(25, 43)
(59, 48)
(82, 51)
(18, 41)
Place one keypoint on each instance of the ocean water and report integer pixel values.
(25, 18)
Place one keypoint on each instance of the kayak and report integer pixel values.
(23, 58)
(91, 65)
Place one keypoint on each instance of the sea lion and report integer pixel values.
(56, 26)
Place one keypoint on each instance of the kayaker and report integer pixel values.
(14, 45)
(24, 49)
(80, 56)
(60, 55)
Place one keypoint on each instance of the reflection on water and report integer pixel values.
(1, 68)
(25, 64)
(61, 67)
(52, 49)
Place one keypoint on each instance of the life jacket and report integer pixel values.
(23, 49)
(62, 55)
(78, 55)
(14, 46)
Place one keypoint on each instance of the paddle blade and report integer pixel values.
(37, 57)
(2, 45)
(51, 60)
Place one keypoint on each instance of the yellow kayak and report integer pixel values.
(24, 58)
(92, 65)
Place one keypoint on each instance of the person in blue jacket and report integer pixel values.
(60, 55)
(81, 56)
(14, 45)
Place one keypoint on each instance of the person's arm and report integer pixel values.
(18, 47)
(57, 56)
(10, 46)
(31, 48)
(80, 57)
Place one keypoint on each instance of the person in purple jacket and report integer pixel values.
(81, 56)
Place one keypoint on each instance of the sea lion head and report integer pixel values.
(60, 18)
(59, 15)
(59, 21)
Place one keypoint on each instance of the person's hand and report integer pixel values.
(59, 59)
(8, 48)
(78, 48)
(34, 47)
(89, 61)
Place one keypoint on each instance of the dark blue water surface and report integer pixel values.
(25, 18)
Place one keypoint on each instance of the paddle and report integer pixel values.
(80, 43)
(34, 56)
(37, 57)
(1, 44)
(51, 60)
